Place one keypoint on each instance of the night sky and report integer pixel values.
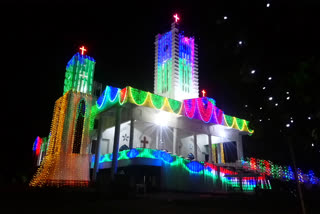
(280, 41)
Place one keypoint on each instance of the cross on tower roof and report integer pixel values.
(82, 50)
(203, 93)
(176, 17)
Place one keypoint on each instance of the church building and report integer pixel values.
(168, 139)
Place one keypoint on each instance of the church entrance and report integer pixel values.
(144, 179)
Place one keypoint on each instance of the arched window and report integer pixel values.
(79, 127)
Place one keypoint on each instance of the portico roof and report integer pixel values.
(202, 108)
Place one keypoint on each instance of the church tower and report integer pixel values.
(79, 74)
(176, 64)
(66, 162)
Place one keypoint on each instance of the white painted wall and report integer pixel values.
(141, 130)
(202, 140)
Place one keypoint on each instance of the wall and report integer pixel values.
(187, 146)
(141, 130)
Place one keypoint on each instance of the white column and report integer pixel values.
(161, 144)
(239, 147)
(131, 129)
(157, 138)
(174, 141)
(210, 148)
(218, 153)
(195, 147)
(114, 163)
(97, 149)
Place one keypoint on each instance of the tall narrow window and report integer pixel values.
(79, 127)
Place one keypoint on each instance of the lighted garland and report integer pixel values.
(279, 172)
(42, 175)
(205, 108)
(198, 108)
(191, 167)
(60, 165)
(143, 98)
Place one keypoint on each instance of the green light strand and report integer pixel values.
(157, 101)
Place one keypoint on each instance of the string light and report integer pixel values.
(269, 78)
(287, 125)
(288, 98)
(284, 173)
(270, 98)
(253, 71)
(268, 5)
(276, 104)
(200, 108)
(225, 17)
(309, 118)
(59, 166)
(263, 88)
(185, 167)
(79, 74)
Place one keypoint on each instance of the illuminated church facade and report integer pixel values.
(170, 139)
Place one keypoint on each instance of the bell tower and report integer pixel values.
(176, 64)
(79, 73)
(66, 162)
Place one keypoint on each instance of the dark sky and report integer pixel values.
(280, 41)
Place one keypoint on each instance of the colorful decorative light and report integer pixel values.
(132, 153)
(64, 152)
(192, 168)
(199, 108)
(79, 74)
(278, 172)
(37, 146)
(195, 166)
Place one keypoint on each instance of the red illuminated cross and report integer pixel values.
(82, 50)
(203, 93)
(144, 141)
(176, 17)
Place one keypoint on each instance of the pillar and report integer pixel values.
(174, 141)
(157, 138)
(97, 149)
(222, 153)
(131, 130)
(239, 148)
(210, 148)
(114, 164)
(218, 153)
(160, 145)
(195, 147)
(214, 153)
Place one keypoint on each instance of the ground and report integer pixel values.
(90, 201)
